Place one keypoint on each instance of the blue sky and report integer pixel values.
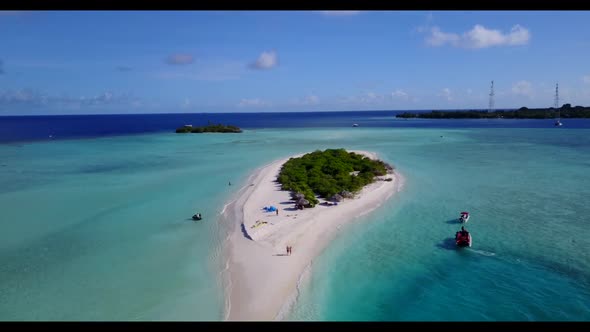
(86, 62)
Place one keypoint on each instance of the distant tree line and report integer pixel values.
(330, 172)
(211, 128)
(566, 111)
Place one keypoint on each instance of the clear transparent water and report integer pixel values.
(530, 258)
(100, 229)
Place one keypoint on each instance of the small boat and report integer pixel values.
(464, 216)
(463, 238)
(197, 216)
(558, 123)
(355, 124)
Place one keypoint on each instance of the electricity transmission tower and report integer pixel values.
(491, 105)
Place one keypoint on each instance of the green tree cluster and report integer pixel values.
(566, 111)
(211, 128)
(329, 172)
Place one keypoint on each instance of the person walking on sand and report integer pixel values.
(287, 250)
(277, 212)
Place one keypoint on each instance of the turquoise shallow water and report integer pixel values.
(98, 229)
(530, 258)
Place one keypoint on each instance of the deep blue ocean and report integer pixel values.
(33, 128)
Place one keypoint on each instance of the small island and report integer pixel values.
(332, 174)
(211, 128)
(566, 111)
(262, 275)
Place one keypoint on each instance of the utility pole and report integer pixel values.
(491, 105)
(556, 103)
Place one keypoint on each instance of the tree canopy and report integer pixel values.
(211, 128)
(330, 172)
(566, 111)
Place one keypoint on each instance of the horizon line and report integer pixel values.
(198, 113)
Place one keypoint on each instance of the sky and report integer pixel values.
(89, 62)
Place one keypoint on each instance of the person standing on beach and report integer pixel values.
(277, 212)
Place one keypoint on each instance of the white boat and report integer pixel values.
(355, 125)
(464, 216)
(558, 121)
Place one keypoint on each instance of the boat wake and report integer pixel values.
(483, 252)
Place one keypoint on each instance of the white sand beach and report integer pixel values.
(261, 275)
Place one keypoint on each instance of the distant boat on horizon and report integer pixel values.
(558, 121)
(355, 125)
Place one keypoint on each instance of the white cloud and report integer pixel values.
(256, 102)
(180, 59)
(266, 60)
(340, 12)
(311, 100)
(439, 38)
(376, 99)
(479, 37)
(371, 98)
(367, 98)
(523, 88)
(397, 99)
(446, 93)
(399, 94)
(586, 79)
(34, 98)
